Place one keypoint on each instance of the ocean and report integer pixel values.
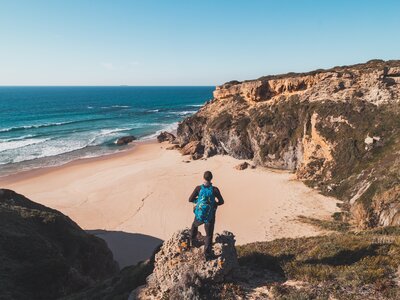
(49, 126)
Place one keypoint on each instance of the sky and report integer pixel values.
(187, 42)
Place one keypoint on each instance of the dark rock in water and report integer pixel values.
(181, 271)
(125, 140)
(166, 137)
(242, 166)
(44, 254)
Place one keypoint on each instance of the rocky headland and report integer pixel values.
(337, 129)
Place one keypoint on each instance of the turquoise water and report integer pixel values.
(47, 126)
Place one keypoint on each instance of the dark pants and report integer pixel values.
(209, 228)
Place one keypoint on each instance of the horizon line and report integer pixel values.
(121, 85)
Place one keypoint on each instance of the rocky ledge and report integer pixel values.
(181, 271)
(337, 129)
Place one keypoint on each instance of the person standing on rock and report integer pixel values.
(204, 197)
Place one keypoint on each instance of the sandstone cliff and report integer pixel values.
(337, 129)
(44, 254)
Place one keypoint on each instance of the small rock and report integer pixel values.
(371, 142)
(166, 137)
(196, 156)
(368, 140)
(242, 166)
(173, 147)
(125, 140)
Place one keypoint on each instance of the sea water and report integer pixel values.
(47, 126)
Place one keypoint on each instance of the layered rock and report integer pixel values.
(374, 82)
(44, 254)
(181, 272)
(337, 129)
(166, 137)
(194, 148)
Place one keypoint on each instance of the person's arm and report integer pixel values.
(194, 195)
(218, 195)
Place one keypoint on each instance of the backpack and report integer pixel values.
(205, 204)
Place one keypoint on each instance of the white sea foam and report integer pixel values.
(104, 135)
(167, 127)
(116, 106)
(16, 138)
(35, 126)
(4, 146)
(121, 106)
(48, 151)
(183, 113)
(110, 131)
(195, 105)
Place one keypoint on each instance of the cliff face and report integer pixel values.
(44, 254)
(337, 129)
(373, 82)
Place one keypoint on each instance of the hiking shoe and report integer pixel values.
(195, 243)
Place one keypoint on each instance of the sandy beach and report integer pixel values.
(138, 198)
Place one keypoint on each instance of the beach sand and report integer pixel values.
(138, 198)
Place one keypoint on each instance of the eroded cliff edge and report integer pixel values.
(337, 129)
(44, 254)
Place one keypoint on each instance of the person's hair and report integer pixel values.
(208, 176)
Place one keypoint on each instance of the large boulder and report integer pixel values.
(44, 254)
(194, 148)
(166, 137)
(125, 140)
(180, 272)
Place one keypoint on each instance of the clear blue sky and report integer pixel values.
(99, 42)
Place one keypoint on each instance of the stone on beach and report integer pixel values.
(242, 166)
(166, 137)
(195, 149)
(125, 140)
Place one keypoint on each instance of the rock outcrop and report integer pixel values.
(125, 140)
(166, 137)
(337, 129)
(195, 149)
(44, 254)
(181, 271)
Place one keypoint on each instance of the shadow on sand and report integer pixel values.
(128, 248)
